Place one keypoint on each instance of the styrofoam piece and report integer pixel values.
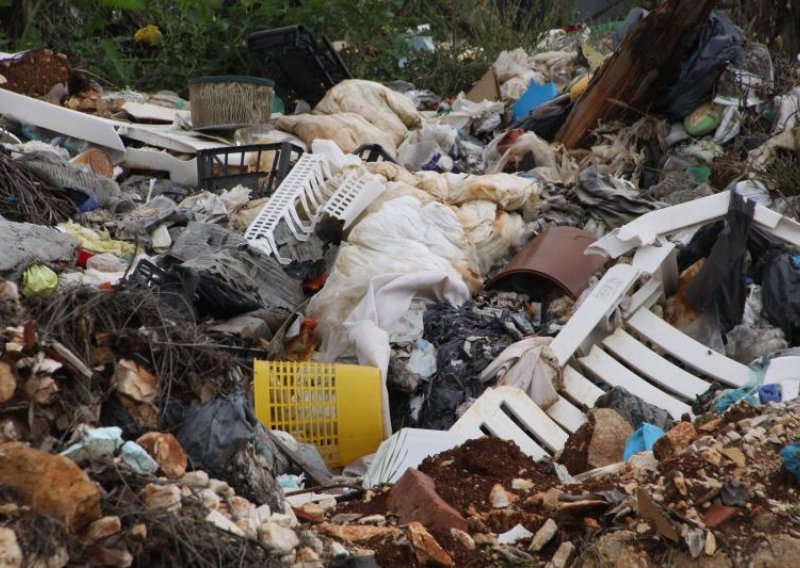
(508, 413)
(59, 119)
(647, 229)
(148, 111)
(180, 171)
(784, 371)
(302, 187)
(353, 195)
(408, 448)
(654, 329)
(602, 301)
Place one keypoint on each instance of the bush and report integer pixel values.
(208, 37)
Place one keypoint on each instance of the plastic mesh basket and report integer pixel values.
(335, 407)
(259, 167)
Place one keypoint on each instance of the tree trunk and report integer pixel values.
(640, 71)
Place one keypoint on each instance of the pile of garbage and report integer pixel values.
(550, 321)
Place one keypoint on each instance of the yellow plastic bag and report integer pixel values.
(39, 280)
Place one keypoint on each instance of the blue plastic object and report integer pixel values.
(791, 459)
(642, 440)
(734, 396)
(535, 95)
(769, 393)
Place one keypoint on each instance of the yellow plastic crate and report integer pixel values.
(335, 407)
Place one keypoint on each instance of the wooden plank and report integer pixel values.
(654, 366)
(689, 351)
(640, 71)
(614, 373)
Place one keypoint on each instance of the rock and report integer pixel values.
(50, 485)
(345, 518)
(483, 539)
(718, 514)
(610, 434)
(514, 535)
(224, 524)
(134, 381)
(138, 459)
(10, 552)
(428, 551)
(8, 381)
(736, 456)
(103, 528)
(614, 550)
(378, 520)
(307, 554)
(500, 498)
(711, 544)
(711, 456)
(561, 557)
(463, 539)
(209, 499)
(280, 539)
(674, 441)
(41, 390)
(161, 497)
(684, 560)
(310, 512)
(195, 479)
(782, 550)
(545, 533)
(139, 531)
(167, 451)
(220, 488)
(522, 484)
(650, 510)
(356, 533)
(414, 499)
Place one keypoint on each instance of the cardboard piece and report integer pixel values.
(486, 89)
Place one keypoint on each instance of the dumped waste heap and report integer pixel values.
(552, 321)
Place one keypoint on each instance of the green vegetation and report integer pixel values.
(208, 37)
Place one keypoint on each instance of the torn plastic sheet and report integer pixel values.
(530, 366)
(387, 299)
(610, 199)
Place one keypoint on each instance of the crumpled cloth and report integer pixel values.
(387, 299)
(531, 366)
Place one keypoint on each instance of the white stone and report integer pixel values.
(10, 552)
(279, 538)
(224, 523)
(543, 535)
(195, 479)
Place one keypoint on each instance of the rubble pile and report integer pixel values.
(550, 321)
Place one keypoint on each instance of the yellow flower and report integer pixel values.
(149, 34)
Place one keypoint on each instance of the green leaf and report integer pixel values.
(124, 4)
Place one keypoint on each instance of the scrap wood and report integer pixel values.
(640, 70)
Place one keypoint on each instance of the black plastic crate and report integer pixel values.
(219, 169)
(307, 66)
(373, 153)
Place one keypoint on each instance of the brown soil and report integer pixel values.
(375, 506)
(392, 554)
(465, 475)
(34, 73)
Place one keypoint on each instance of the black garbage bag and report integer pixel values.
(778, 272)
(719, 289)
(633, 409)
(719, 44)
(209, 294)
(545, 120)
(213, 433)
(466, 340)
(700, 246)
